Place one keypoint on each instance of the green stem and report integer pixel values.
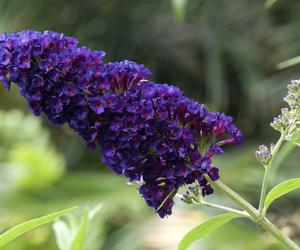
(264, 188)
(164, 201)
(255, 216)
(268, 167)
(245, 205)
(268, 226)
(224, 208)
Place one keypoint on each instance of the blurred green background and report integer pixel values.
(221, 53)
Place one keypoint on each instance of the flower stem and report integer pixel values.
(264, 189)
(268, 167)
(221, 207)
(255, 216)
(268, 226)
(227, 209)
(245, 205)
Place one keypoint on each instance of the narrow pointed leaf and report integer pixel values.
(288, 63)
(30, 225)
(280, 190)
(205, 228)
(269, 3)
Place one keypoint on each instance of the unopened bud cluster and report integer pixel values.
(281, 122)
(192, 195)
(288, 121)
(293, 96)
(263, 154)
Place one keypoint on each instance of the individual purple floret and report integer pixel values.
(147, 131)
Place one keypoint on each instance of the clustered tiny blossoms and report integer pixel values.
(147, 131)
(288, 122)
(263, 155)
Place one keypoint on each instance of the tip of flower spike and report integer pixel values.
(293, 96)
(287, 121)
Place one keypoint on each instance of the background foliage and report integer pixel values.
(221, 53)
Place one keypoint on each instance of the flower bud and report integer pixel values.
(263, 155)
(186, 198)
(281, 122)
(293, 96)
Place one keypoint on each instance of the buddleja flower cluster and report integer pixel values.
(147, 131)
(288, 122)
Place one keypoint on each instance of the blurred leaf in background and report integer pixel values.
(179, 9)
(270, 3)
(30, 225)
(36, 167)
(75, 234)
(28, 161)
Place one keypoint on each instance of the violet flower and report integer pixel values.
(147, 131)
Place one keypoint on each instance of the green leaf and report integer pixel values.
(78, 241)
(30, 225)
(205, 228)
(74, 234)
(63, 234)
(280, 190)
(179, 9)
(270, 3)
(288, 63)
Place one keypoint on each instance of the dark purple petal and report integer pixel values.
(5, 57)
(97, 105)
(214, 174)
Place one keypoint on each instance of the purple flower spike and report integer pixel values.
(147, 131)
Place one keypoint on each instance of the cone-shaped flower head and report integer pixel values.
(149, 132)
